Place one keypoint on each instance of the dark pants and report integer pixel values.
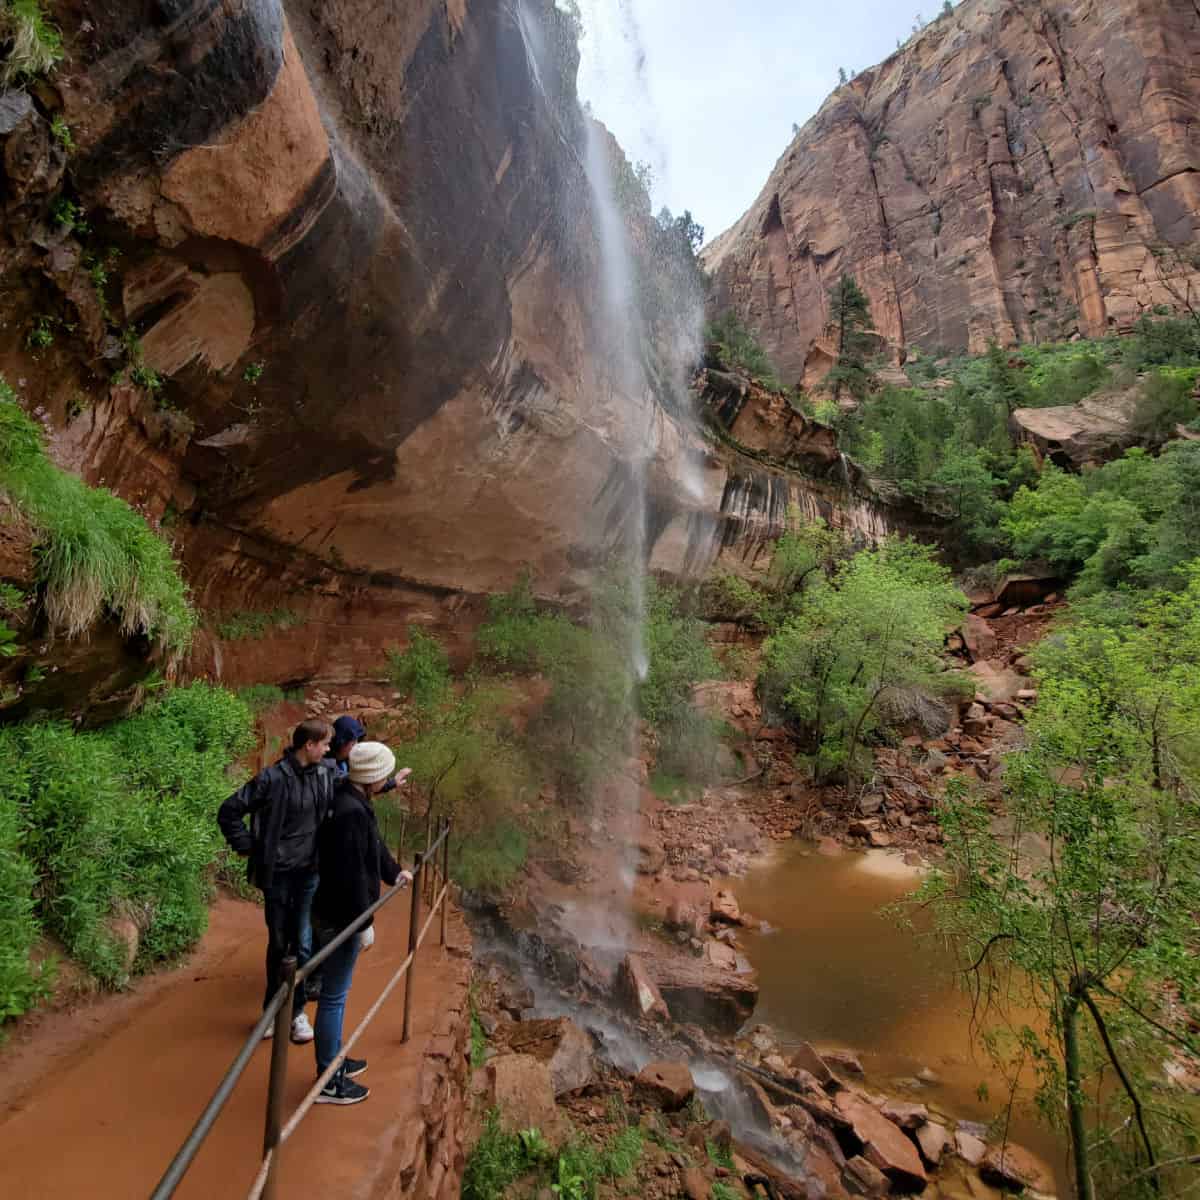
(287, 905)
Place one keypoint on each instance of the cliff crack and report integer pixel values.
(1173, 175)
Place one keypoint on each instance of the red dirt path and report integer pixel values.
(96, 1102)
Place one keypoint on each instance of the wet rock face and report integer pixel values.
(384, 207)
(1003, 176)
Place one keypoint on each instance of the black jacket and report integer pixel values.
(353, 858)
(267, 799)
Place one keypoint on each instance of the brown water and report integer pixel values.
(838, 974)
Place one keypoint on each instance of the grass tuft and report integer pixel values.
(36, 45)
(95, 554)
(239, 626)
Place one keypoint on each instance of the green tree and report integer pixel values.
(1166, 400)
(875, 629)
(842, 76)
(806, 554)
(736, 347)
(850, 318)
(1082, 903)
(969, 489)
(465, 759)
(1005, 382)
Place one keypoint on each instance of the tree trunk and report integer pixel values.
(1079, 1144)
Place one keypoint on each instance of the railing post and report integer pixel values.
(429, 841)
(414, 921)
(278, 1083)
(445, 877)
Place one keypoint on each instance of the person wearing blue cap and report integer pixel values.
(348, 731)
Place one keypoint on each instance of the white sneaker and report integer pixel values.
(302, 1031)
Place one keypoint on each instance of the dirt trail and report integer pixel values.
(99, 1101)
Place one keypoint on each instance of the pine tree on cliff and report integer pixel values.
(850, 316)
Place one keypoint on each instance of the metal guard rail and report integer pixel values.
(278, 1013)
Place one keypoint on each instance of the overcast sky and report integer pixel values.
(720, 84)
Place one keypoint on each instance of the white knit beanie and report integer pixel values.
(371, 762)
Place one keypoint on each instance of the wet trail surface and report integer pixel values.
(100, 1100)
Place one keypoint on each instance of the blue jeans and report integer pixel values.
(336, 973)
(287, 906)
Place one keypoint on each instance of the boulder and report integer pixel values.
(908, 1116)
(979, 637)
(694, 1183)
(1095, 430)
(862, 1178)
(695, 990)
(1013, 1168)
(970, 1148)
(651, 857)
(681, 915)
(879, 839)
(725, 908)
(847, 1060)
(669, 1084)
(884, 1146)
(520, 1086)
(807, 1059)
(15, 106)
(934, 1141)
(1026, 588)
(720, 955)
(996, 682)
(639, 991)
(514, 998)
(561, 1045)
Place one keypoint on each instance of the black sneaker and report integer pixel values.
(354, 1066)
(340, 1090)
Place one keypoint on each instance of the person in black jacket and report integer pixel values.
(286, 804)
(353, 860)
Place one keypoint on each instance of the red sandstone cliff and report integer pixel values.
(357, 244)
(1003, 176)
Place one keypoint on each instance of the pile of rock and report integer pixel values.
(874, 1145)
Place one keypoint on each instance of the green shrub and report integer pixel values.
(95, 554)
(622, 1153)
(121, 822)
(876, 629)
(478, 1036)
(739, 349)
(496, 1161)
(422, 670)
(677, 654)
(1165, 400)
(718, 1154)
(21, 983)
(37, 45)
(261, 696)
(1164, 342)
(489, 859)
(1132, 523)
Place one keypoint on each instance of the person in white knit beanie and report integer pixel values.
(353, 859)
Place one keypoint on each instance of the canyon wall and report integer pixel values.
(317, 289)
(1020, 170)
(353, 247)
